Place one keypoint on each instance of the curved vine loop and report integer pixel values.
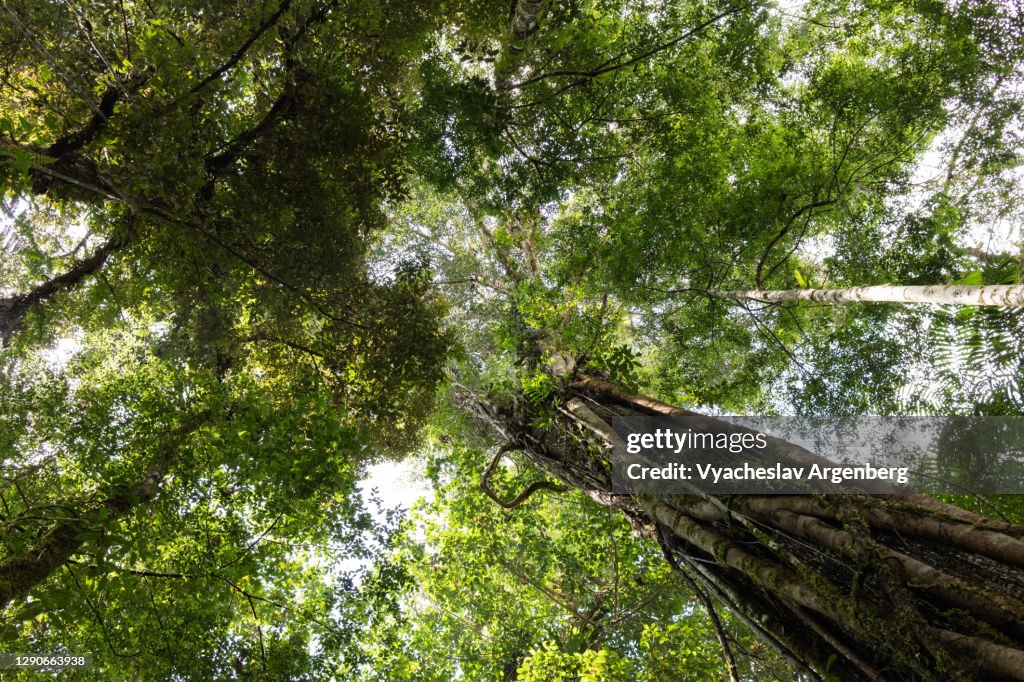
(521, 497)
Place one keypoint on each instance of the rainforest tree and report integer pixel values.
(703, 167)
(197, 359)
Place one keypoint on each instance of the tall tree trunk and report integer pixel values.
(524, 23)
(525, 19)
(882, 587)
(951, 294)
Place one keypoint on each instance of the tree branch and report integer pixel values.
(608, 68)
(782, 233)
(21, 572)
(262, 28)
(215, 163)
(74, 141)
(14, 308)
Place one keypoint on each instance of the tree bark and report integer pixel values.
(524, 23)
(952, 294)
(14, 308)
(860, 587)
(20, 573)
(525, 20)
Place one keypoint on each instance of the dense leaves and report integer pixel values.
(198, 360)
(251, 248)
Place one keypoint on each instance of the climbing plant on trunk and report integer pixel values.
(893, 586)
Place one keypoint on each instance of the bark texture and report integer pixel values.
(525, 21)
(860, 587)
(14, 308)
(987, 295)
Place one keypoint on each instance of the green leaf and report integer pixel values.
(974, 278)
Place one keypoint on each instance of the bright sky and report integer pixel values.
(398, 484)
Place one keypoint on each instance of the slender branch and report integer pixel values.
(231, 151)
(568, 604)
(259, 630)
(89, 178)
(99, 618)
(248, 548)
(608, 68)
(163, 25)
(793, 248)
(770, 334)
(254, 264)
(262, 28)
(124, 25)
(235, 586)
(782, 233)
(86, 29)
(256, 338)
(272, 602)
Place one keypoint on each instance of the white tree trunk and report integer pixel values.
(525, 21)
(526, 17)
(953, 294)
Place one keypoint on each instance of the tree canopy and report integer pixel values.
(251, 249)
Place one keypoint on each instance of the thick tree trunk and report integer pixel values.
(988, 295)
(881, 587)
